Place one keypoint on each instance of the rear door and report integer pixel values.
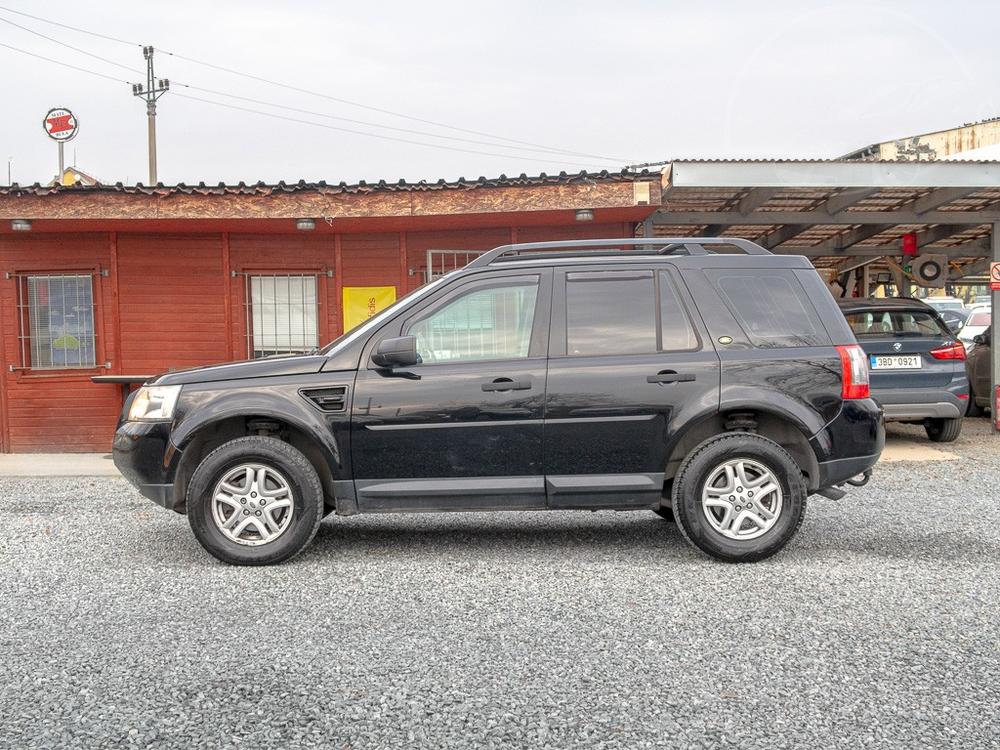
(628, 362)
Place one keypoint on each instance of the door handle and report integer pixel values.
(669, 376)
(507, 384)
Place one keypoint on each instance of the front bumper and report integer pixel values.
(143, 453)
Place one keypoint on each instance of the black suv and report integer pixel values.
(715, 387)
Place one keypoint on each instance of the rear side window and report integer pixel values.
(616, 312)
(908, 323)
(610, 313)
(771, 306)
(979, 319)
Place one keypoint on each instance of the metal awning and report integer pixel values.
(840, 214)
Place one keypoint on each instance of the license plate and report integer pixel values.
(896, 362)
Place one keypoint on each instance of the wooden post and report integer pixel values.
(117, 366)
(338, 281)
(404, 270)
(227, 294)
(4, 419)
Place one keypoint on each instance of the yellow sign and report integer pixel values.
(363, 302)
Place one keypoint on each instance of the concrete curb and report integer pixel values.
(57, 465)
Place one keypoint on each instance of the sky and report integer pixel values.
(615, 83)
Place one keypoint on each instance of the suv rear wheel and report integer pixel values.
(255, 501)
(943, 430)
(739, 497)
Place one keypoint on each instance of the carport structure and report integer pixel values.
(843, 215)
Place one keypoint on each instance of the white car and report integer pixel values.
(944, 303)
(977, 322)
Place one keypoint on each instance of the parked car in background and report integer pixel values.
(954, 319)
(719, 389)
(978, 368)
(977, 322)
(917, 365)
(983, 299)
(944, 303)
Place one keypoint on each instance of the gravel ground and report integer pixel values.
(878, 627)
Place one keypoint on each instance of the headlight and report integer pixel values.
(154, 402)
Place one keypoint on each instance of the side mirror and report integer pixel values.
(954, 325)
(981, 339)
(398, 352)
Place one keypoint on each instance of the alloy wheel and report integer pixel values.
(741, 499)
(252, 504)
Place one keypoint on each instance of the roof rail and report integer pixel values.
(663, 246)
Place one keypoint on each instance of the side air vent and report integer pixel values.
(328, 399)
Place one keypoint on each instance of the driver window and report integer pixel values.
(485, 323)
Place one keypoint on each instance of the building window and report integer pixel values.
(282, 314)
(56, 316)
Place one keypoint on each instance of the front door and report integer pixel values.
(628, 364)
(462, 429)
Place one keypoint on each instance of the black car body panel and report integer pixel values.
(556, 421)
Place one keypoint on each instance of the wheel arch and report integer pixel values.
(777, 426)
(198, 440)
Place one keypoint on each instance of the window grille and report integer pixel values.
(282, 314)
(440, 262)
(55, 314)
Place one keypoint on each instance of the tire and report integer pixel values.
(973, 409)
(699, 473)
(943, 430)
(289, 481)
(666, 513)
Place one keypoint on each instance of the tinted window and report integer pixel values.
(911, 323)
(485, 323)
(610, 312)
(771, 306)
(979, 319)
(676, 331)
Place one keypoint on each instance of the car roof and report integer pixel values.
(882, 304)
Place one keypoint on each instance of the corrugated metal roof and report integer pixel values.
(262, 188)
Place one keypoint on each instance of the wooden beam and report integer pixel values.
(938, 198)
(837, 203)
(782, 235)
(689, 218)
(364, 202)
(756, 198)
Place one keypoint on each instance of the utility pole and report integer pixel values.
(152, 91)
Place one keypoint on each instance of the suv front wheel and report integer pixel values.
(255, 501)
(739, 497)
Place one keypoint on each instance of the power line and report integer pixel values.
(380, 110)
(291, 119)
(65, 64)
(71, 28)
(373, 135)
(70, 46)
(297, 109)
(231, 71)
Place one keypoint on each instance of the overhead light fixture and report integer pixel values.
(584, 214)
(305, 225)
(20, 225)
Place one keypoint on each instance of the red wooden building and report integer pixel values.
(135, 280)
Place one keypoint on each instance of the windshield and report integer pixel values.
(377, 320)
(909, 323)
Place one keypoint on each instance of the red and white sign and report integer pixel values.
(995, 276)
(60, 124)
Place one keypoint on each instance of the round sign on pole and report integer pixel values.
(60, 124)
